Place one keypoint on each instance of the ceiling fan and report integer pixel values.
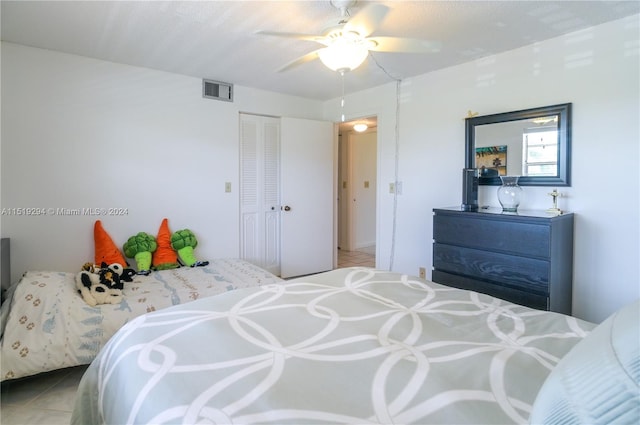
(348, 43)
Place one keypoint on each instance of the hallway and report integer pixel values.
(366, 258)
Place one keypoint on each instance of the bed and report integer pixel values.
(46, 325)
(353, 345)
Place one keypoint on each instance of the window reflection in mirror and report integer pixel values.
(540, 151)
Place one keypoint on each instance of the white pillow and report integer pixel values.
(597, 382)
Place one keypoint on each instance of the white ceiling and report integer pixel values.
(216, 39)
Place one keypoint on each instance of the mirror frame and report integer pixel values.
(563, 178)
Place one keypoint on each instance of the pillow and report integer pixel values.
(105, 250)
(597, 382)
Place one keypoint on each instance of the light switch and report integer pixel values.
(227, 187)
(395, 188)
(366, 185)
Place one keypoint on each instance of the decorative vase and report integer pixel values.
(509, 193)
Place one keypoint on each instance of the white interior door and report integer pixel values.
(307, 182)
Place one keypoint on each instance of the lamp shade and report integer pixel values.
(343, 55)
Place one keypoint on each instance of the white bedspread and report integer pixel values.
(47, 325)
(352, 346)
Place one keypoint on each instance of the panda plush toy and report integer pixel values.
(104, 284)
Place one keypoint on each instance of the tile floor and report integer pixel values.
(45, 399)
(364, 257)
(48, 398)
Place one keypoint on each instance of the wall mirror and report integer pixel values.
(534, 144)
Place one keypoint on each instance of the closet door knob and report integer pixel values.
(287, 208)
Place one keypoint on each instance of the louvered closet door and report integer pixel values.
(259, 191)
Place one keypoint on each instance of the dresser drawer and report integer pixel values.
(513, 295)
(529, 274)
(516, 238)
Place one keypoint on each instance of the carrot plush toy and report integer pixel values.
(164, 258)
(106, 250)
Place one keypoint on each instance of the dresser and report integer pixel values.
(525, 257)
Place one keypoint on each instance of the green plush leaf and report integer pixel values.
(166, 266)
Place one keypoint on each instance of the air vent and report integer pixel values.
(217, 90)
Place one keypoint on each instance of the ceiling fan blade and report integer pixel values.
(368, 19)
(302, 59)
(403, 45)
(307, 37)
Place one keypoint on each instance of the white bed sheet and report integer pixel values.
(47, 325)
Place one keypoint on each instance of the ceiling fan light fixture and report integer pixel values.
(343, 55)
(360, 127)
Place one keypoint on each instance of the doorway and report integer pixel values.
(357, 189)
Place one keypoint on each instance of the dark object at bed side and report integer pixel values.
(5, 268)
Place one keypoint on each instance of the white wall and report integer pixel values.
(83, 133)
(597, 70)
(363, 163)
